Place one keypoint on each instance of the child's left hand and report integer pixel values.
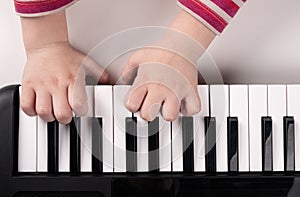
(167, 81)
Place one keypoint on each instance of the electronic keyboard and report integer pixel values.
(244, 142)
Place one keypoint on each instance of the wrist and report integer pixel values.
(186, 38)
(39, 32)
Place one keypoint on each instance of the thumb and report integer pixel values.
(77, 94)
(129, 71)
(96, 71)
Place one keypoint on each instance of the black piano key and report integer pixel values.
(131, 144)
(75, 145)
(153, 145)
(233, 142)
(267, 153)
(188, 144)
(53, 142)
(97, 145)
(289, 143)
(210, 144)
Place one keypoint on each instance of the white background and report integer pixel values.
(261, 45)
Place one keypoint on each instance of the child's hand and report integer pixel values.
(54, 82)
(167, 80)
(163, 79)
(54, 75)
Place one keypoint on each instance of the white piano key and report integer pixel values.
(104, 109)
(239, 108)
(199, 132)
(257, 109)
(293, 98)
(219, 102)
(64, 148)
(277, 110)
(120, 114)
(42, 147)
(142, 144)
(27, 154)
(86, 133)
(165, 148)
(86, 144)
(177, 152)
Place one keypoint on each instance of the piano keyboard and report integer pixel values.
(244, 142)
(241, 128)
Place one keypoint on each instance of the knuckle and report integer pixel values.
(27, 83)
(62, 81)
(160, 88)
(70, 77)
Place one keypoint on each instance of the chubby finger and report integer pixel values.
(151, 105)
(135, 97)
(171, 108)
(96, 71)
(191, 105)
(28, 101)
(61, 108)
(77, 96)
(44, 105)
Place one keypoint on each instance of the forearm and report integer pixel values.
(45, 30)
(187, 24)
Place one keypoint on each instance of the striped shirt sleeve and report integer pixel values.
(215, 14)
(35, 8)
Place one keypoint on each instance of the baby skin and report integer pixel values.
(53, 84)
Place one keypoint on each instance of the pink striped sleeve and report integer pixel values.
(215, 14)
(33, 8)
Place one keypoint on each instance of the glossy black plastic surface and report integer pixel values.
(267, 147)
(97, 145)
(53, 149)
(233, 144)
(131, 144)
(289, 143)
(188, 143)
(75, 127)
(153, 145)
(210, 144)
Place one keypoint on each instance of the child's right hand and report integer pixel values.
(54, 82)
(54, 74)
